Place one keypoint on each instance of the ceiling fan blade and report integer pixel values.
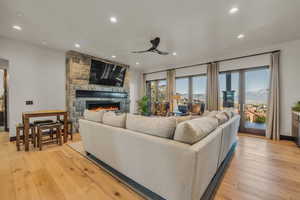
(161, 52)
(145, 51)
(155, 42)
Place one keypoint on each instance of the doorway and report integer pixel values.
(254, 101)
(3, 95)
(247, 91)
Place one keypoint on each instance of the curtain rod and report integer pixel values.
(206, 63)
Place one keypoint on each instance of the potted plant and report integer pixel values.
(296, 107)
(143, 106)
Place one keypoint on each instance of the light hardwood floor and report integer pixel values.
(260, 169)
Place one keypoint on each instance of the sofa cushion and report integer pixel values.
(196, 116)
(210, 113)
(114, 119)
(157, 126)
(180, 119)
(222, 117)
(229, 112)
(194, 130)
(96, 116)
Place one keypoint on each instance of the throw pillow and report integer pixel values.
(96, 116)
(114, 119)
(157, 126)
(194, 130)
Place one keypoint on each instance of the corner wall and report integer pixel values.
(35, 73)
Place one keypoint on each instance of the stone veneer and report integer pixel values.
(77, 78)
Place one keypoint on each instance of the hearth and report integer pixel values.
(102, 105)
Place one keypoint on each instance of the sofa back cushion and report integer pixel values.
(157, 126)
(210, 113)
(114, 119)
(180, 119)
(222, 117)
(194, 130)
(229, 112)
(95, 116)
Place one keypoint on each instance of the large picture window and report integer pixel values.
(157, 92)
(182, 90)
(229, 86)
(191, 93)
(162, 91)
(199, 89)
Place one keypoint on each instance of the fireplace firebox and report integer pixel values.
(102, 105)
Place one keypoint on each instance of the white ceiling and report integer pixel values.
(195, 29)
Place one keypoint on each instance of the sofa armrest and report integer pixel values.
(207, 152)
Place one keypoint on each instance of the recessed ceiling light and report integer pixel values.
(18, 28)
(77, 45)
(240, 36)
(233, 10)
(174, 54)
(113, 20)
(113, 56)
(137, 63)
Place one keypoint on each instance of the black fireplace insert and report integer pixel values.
(102, 105)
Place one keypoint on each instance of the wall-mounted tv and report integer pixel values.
(107, 74)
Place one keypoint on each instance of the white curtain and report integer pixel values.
(212, 86)
(143, 86)
(171, 87)
(273, 116)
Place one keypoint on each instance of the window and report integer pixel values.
(256, 99)
(229, 85)
(157, 91)
(199, 89)
(182, 90)
(191, 93)
(162, 91)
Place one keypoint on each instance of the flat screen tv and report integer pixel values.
(107, 74)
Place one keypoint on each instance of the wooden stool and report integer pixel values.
(51, 127)
(19, 129)
(70, 128)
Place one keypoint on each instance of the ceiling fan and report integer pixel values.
(155, 42)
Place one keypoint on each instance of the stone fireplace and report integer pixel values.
(81, 95)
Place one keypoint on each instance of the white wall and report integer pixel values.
(290, 82)
(243, 63)
(35, 73)
(135, 85)
(156, 76)
(201, 69)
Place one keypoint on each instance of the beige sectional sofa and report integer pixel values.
(158, 154)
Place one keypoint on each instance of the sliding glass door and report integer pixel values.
(247, 92)
(254, 101)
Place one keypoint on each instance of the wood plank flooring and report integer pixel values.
(260, 170)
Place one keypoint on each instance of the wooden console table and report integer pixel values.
(43, 113)
(296, 126)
